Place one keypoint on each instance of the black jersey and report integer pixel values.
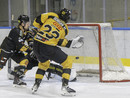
(15, 41)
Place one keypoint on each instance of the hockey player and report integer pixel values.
(53, 30)
(54, 69)
(19, 72)
(13, 47)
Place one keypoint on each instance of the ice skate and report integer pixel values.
(67, 91)
(18, 82)
(36, 85)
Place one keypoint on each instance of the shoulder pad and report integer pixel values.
(52, 14)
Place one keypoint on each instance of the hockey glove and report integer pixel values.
(77, 42)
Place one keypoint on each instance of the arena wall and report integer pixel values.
(122, 39)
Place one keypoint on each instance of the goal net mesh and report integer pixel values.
(99, 55)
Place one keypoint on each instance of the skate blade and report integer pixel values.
(19, 86)
(34, 91)
(68, 94)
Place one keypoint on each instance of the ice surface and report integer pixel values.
(86, 87)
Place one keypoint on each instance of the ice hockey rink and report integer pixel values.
(86, 87)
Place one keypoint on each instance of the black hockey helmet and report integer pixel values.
(23, 19)
(64, 14)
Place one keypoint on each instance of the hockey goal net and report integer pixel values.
(99, 54)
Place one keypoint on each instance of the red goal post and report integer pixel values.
(100, 31)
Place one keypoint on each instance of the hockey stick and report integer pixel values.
(10, 71)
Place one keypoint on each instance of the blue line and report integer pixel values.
(5, 27)
(120, 28)
(114, 28)
(77, 28)
(82, 28)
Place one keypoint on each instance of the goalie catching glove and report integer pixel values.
(77, 42)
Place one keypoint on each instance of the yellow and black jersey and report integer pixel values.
(52, 30)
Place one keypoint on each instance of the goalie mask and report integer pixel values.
(65, 15)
